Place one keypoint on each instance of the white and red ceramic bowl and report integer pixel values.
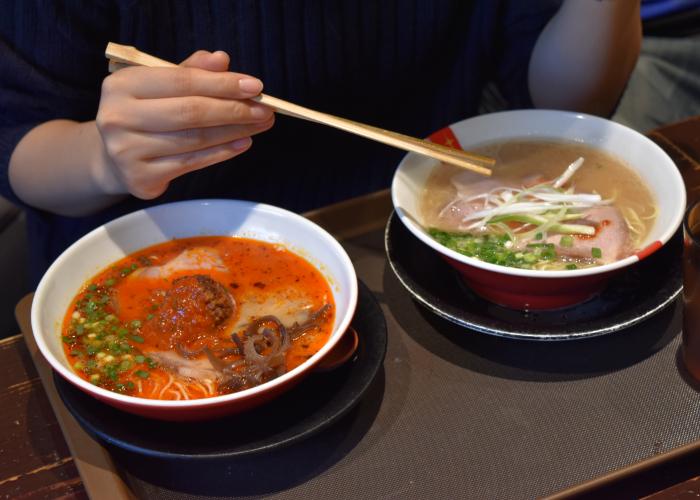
(534, 289)
(132, 232)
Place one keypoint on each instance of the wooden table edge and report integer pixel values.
(95, 466)
(626, 472)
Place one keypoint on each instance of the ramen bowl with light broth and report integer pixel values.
(195, 310)
(573, 199)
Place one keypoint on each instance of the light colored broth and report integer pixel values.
(601, 173)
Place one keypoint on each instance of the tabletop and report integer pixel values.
(36, 462)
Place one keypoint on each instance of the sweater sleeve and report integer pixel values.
(51, 67)
(521, 23)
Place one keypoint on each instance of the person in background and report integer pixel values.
(79, 147)
(665, 84)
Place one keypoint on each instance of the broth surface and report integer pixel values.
(521, 161)
(161, 322)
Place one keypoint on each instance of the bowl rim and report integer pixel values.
(652, 247)
(40, 296)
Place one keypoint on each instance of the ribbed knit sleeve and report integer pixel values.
(51, 65)
(413, 66)
(520, 24)
(10, 136)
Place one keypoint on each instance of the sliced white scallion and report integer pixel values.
(569, 198)
(552, 224)
(568, 173)
(539, 211)
(573, 229)
(520, 208)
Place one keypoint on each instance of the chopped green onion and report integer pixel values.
(142, 373)
(596, 252)
(571, 266)
(139, 358)
(137, 338)
(566, 241)
(111, 371)
(538, 236)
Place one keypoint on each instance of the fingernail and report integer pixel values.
(243, 143)
(265, 124)
(259, 112)
(250, 85)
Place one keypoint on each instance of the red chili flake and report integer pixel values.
(598, 227)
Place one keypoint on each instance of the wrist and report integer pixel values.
(103, 173)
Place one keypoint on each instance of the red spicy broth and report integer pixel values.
(198, 317)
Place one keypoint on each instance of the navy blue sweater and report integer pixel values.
(361, 59)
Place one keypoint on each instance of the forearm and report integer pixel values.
(152, 126)
(583, 58)
(60, 166)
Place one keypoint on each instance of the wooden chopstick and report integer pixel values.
(124, 55)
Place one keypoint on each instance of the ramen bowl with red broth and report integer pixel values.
(572, 200)
(195, 310)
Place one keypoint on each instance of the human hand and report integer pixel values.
(160, 123)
